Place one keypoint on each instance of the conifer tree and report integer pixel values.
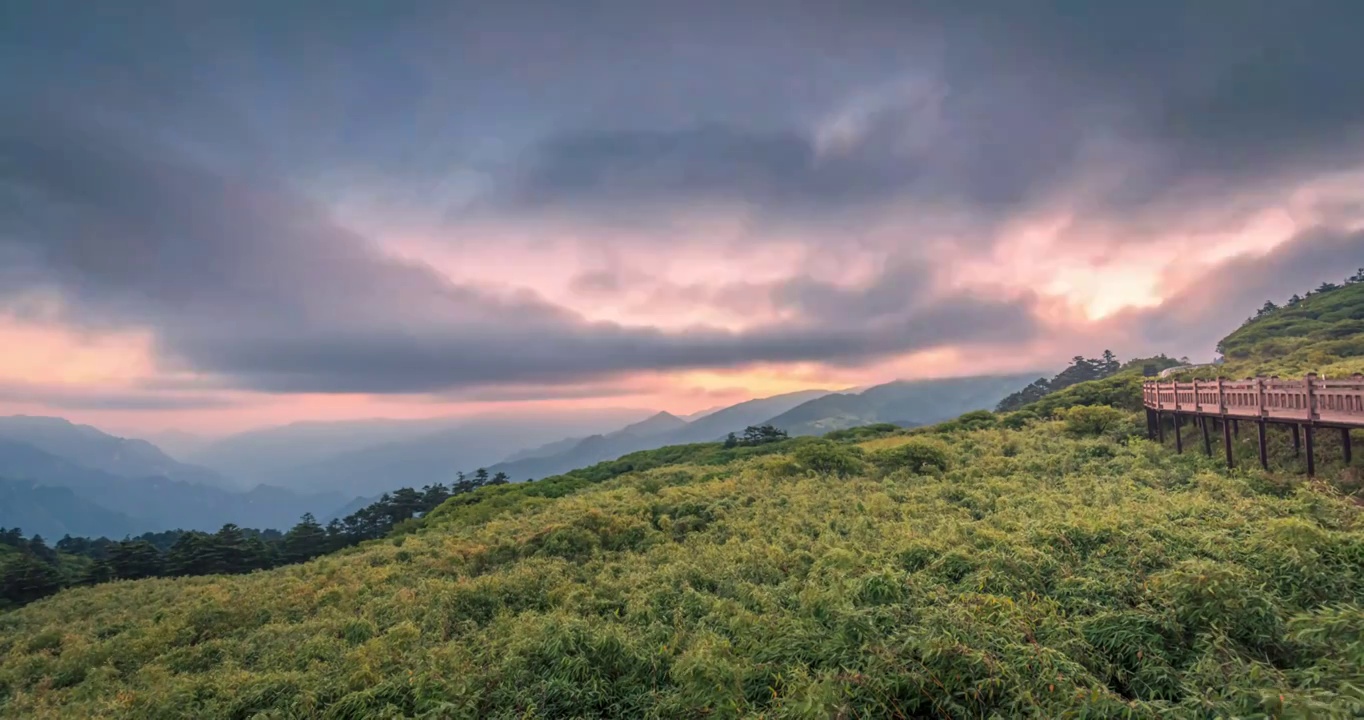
(26, 578)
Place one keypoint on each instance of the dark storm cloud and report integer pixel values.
(608, 173)
(158, 167)
(1022, 101)
(241, 277)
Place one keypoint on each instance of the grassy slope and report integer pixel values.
(1324, 334)
(1044, 575)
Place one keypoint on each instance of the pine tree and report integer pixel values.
(227, 551)
(134, 559)
(1110, 363)
(38, 547)
(404, 503)
(305, 541)
(26, 578)
(190, 555)
(99, 571)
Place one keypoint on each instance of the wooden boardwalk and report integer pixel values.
(1305, 405)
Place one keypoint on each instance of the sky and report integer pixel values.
(216, 216)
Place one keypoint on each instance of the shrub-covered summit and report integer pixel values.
(1065, 569)
(1322, 333)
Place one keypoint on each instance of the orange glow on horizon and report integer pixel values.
(713, 270)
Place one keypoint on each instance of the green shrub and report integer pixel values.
(1018, 420)
(920, 455)
(1096, 420)
(827, 458)
(863, 432)
(46, 640)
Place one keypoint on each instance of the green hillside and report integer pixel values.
(1322, 333)
(1062, 570)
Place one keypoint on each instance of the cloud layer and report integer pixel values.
(478, 201)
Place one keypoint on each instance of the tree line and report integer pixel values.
(1270, 307)
(755, 435)
(1081, 369)
(37, 570)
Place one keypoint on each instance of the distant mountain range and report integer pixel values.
(810, 412)
(903, 402)
(90, 448)
(82, 491)
(370, 457)
(657, 431)
(57, 477)
(56, 511)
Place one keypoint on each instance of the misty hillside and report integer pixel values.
(151, 503)
(804, 413)
(658, 424)
(904, 402)
(266, 453)
(658, 431)
(91, 448)
(372, 456)
(715, 425)
(56, 511)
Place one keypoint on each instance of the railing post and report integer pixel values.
(1226, 442)
(1221, 399)
(1311, 453)
(1260, 401)
(1264, 453)
(1312, 414)
(1309, 429)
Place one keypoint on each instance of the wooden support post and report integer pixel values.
(1160, 429)
(1309, 430)
(1179, 439)
(1345, 445)
(1150, 424)
(1236, 428)
(1207, 442)
(1311, 456)
(1264, 455)
(1226, 442)
(1297, 440)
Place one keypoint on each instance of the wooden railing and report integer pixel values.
(1314, 400)
(1304, 405)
